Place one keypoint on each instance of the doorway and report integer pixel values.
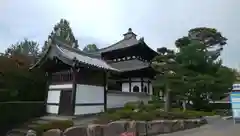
(65, 107)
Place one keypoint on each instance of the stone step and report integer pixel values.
(32, 126)
(40, 121)
(17, 132)
(52, 117)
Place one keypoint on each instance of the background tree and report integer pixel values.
(25, 47)
(210, 38)
(167, 67)
(63, 32)
(199, 53)
(90, 48)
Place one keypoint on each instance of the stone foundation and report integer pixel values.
(138, 128)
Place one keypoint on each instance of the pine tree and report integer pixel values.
(62, 32)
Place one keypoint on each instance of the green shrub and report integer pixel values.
(15, 113)
(149, 112)
(58, 124)
(217, 106)
(195, 113)
(223, 112)
(124, 113)
(143, 116)
(133, 105)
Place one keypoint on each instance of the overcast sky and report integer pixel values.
(103, 22)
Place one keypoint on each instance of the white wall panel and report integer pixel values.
(61, 86)
(89, 94)
(115, 100)
(79, 110)
(125, 87)
(53, 96)
(53, 109)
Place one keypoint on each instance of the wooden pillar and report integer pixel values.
(148, 91)
(74, 89)
(130, 84)
(105, 76)
(48, 78)
(141, 84)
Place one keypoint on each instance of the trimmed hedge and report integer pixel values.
(148, 112)
(58, 124)
(13, 114)
(220, 105)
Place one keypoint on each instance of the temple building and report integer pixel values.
(87, 83)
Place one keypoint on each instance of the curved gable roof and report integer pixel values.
(69, 56)
(128, 41)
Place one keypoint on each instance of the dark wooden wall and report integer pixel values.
(90, 77)
(62, 77)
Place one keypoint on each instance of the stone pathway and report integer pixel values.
(215, 128)
(22, 130)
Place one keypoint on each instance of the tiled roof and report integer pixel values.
(83, 58)
(121, 44)
(129, 65)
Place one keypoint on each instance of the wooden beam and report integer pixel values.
(105, 76)
(48, 77)
(148, 91)
(130, 84)
(74, 89)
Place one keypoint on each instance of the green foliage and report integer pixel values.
(14, 113)
(90, 48)
(25, 47)
(62, 32)
(207, 78)
(58, 124)
(18, 83)
(149, 112)
(199, 75)
(18, 86)
(133, 105)
(170, 73)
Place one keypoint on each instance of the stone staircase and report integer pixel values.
(22, 130)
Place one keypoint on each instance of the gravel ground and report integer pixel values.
(216, 127)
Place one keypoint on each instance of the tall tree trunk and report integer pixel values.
(167, 105)
(184, 105)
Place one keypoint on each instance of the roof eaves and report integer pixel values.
(133, 69)
(108, 67)
(44, 55)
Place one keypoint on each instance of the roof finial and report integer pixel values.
(129, 29)
(129, 34)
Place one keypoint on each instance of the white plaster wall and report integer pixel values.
(53, 109)
(61, 86)
(115, 100)
(145, 84)
(86, 94)
(150, 89)
(89, 94)
(125, 87)
(146, 79)
(80, 110)
(137, 82)
(53, 96)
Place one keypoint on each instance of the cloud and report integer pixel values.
(161, 22)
